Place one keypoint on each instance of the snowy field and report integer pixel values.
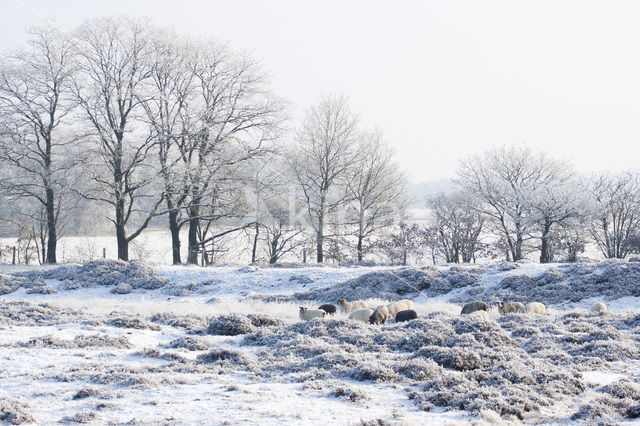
(119, 342)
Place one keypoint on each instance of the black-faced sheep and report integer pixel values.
(474, 306)
(510, 308)
(407, 315)
(535, 308)
(361, 315)
(347, 307)
(379, 315)
(307, 314)
(328, 308)
(400, 305)
(599, 307)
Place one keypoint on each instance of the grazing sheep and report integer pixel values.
(307, 314)
(347, 307)
(400, 305)
(599, 307)
(407, 315)
(361, 315)
(328, 308)
(509, 308)
(380, 315)
(474, 306)
(535, 308)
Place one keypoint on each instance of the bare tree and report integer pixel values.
(170, 104)
(376, 188)
(405, 241)
(34, 99)
(555, 206)
(502, 180)
(320, 162)
(236, 118)
(617, 212)
(457, 224)
(114, 55)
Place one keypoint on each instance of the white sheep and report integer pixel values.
(347, 307)
(361, 315)
(307, 314)
(508, 308)
(599, 307)
(400, 305)
(535, 308)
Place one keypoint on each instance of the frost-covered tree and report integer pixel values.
(377, 191)
(236, 119)
(557, 204)
(35, 151)
(404, 242)
(457, 224)
(616, 212)
(321, 159)
(503, 181)
(114, 65)
(170, 105)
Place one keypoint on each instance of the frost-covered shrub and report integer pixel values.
(190, 343)
(376, 422)
(190, 322)
(81, 417)
(41, 289)
(622, 389)
(373, 372)
(10, 283)
(230, 325)
(106, 272)
(391, 285)
(227, 358)
(132, 322)
(453, 358)
(419, 369)
(78, 342)
(258, 320)
(14, 412)
(349, 394)
(87, 392)
(27, 313)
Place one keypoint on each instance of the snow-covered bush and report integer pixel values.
(14, 412)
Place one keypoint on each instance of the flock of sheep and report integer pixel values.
(402, 310)
(359, 310)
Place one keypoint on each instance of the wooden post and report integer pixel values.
(14, 255)
(304, 255)
(104, 252)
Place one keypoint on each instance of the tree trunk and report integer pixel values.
(121, 236)
(123, 244)
(51, 227)
(319, 241)
(359, 247)
(192, 256)
(175, 236)
(404, 257)
(255, 243)
(545, 255)
(273, 252)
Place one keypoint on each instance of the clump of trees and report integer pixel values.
(134, 123)
(127, 122)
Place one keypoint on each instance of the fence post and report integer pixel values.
(104, 252)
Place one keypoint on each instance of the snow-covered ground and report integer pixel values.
(224, 344)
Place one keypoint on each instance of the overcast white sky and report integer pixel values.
(442, 79)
